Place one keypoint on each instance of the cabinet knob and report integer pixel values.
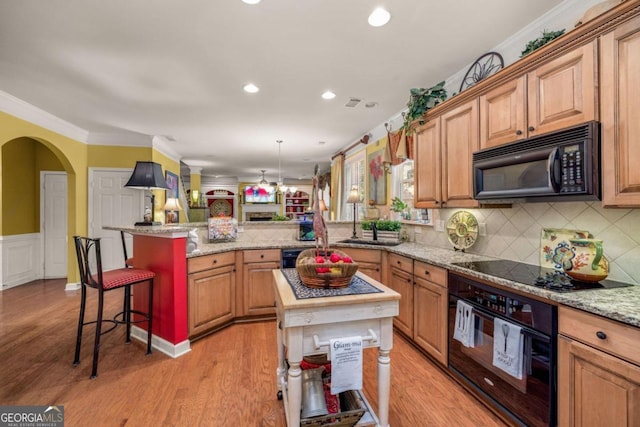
(261, 255)
(601, 335)
(215, 261)
(531, 128)
(426, 272)
(399, 262)
(408, 280)
(518, 132)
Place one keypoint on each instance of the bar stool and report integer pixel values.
(91, 275)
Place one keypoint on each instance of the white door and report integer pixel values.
(111, 204)
(54, 223)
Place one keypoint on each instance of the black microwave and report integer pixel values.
(558, 166)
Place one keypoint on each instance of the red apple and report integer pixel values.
(319, 260)
(335, 257)
(321, 270)
(347, 259)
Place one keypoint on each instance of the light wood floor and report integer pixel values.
(228, 379)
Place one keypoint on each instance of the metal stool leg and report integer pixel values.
(83, 303)
(150, 317)
(127, 311)
(96, 345)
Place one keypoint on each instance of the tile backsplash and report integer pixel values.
(514, 233)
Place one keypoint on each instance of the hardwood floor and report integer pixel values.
(228, 379)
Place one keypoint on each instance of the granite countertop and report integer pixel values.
(621, 304)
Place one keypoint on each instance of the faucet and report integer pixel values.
(374, 229)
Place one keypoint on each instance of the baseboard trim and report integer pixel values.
(160, 344)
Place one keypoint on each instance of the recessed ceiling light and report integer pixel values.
(379, 17)
(251, 1)
(371, 104)
(251, 88)
(328, 95)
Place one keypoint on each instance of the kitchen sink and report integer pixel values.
(371, 242)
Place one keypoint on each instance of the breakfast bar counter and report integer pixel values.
(306, 325)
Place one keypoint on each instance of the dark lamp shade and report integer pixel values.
(147, 175)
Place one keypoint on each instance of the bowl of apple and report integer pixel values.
(330, 269)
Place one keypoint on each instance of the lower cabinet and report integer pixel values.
(430, 310)
(257, 280)
(598, 371)
(401, 281)
(369, 261)
(211, 291)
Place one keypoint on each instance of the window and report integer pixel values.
(354, 174)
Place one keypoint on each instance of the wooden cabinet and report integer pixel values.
(296, 204)
(211, 288)
(369, 261)
(620, 110)
(553, 96)
(401, 281)
(598, 371)
(443, 149)
(258, 296)
(430, 304)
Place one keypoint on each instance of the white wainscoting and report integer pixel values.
(20, 260)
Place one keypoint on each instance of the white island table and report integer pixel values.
(305, 326)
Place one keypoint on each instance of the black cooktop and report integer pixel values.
(528, 274)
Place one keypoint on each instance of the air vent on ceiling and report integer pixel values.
(352, 102)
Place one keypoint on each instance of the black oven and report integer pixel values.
(529, 397)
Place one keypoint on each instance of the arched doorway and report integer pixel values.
(35, 211)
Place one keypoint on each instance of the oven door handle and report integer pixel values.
(525, 330)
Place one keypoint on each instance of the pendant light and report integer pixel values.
(263, 182)
(280, 184)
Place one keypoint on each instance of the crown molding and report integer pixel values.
(163, 145)
(125, 139)
(23, 110)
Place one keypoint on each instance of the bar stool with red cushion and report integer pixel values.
(91, 275)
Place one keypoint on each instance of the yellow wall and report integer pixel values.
(26, 149)
(70, 154)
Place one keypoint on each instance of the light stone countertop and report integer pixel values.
(621, 304)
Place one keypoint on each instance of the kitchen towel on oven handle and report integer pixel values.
(464, 324)
(508, 347)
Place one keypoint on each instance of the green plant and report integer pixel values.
(546, 37)
(280, 218)
(397, 205)
(382, 225)
(422, 100)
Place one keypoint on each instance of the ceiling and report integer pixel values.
(176, 69)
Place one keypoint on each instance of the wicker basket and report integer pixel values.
(339, 276)
(352, 408)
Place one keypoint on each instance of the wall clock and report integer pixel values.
(220, 207)
(462, 230)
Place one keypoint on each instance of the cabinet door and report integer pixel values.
(369, 261)
(503, 114)
(430, 318)
(595, 388)
(211, 295)
(459, 140)
(561, 93)
(427, 166)
(259, 295)
(402, 282)
(620, 97)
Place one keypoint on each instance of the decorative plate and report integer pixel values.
(220, 207)
(555, 249)
(462, 230)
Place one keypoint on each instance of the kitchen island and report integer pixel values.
(305, 326)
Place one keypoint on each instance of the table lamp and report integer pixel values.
(354, 197)
(148, 176)
(172, 206)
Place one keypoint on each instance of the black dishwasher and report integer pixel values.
(289, 257)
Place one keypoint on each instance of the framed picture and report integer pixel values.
(377, 178)
(172, 183)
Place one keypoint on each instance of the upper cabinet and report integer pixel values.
(443, 151)
(553, 96)
(620, 111)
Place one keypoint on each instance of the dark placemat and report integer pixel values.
(356, 286)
